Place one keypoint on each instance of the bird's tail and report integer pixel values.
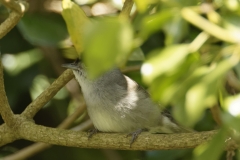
(169, 125)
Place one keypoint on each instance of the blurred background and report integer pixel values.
(32, 54)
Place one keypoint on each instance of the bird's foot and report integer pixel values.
(91, 132)
(135, 135)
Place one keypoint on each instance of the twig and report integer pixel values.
(70, 119)
(13, 6)
(215, 110)
(48, 94)
(210, 28)
(131, 69)
(127, 7)
(5, 109)
(14, 17)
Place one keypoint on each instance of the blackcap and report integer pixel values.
(116, 103)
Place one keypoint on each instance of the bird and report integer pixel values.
(116, 103)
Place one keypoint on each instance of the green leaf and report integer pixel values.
(108, 43)
(204, 93)
(43, 30)
(213, 149)
(167, 60)
(152, 23)
(13, 63)
(231, 121)
(232, 105)
(76, 20)
(137, 55)
(143, 4)
(169, 88)
(175, 29)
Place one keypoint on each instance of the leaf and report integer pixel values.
(143, 4)
(232, 105)
(204, 93)
(43, 30)
(175, 29)
(13, 63)
(152, 23)
(213, 149)
(137, 55)
(167, 60)
(76, 20)
(108, 43)
(169, 88)
(231, 121)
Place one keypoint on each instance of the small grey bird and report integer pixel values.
(116, 103)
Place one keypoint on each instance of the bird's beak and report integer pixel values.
(73, 66)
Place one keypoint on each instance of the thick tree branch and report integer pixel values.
(145, 141)
(6, 135)
(48, 94)
(38, 147)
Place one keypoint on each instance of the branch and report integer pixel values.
(5, 109)
(131, 69)
(18, 10)
(70, 119)
(17, 7)
(212, 29)
(145, 141)
(5, 27)
(6, 135)
(38, 147)
(48, 94)
(127, 7)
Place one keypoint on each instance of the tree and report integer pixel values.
(191, 66)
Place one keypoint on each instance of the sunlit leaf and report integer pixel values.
(204, 93)
(14, 63)
(232, 105)
(166, 60)
(154, 22)
(142, 5)
(39, 84)
(169, 88)
(43, 30)
(76, 20)
(232, 5)
(108, 42)
(213, 149)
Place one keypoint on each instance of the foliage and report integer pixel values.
(192, 61)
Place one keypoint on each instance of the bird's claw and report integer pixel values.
(91, 132)
(134, 135)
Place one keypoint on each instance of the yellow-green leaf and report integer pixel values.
(143, 4)
(75, 19)
(153, 23)
(108, 42)
(213, 149)
(204, 93)
(166, 60)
